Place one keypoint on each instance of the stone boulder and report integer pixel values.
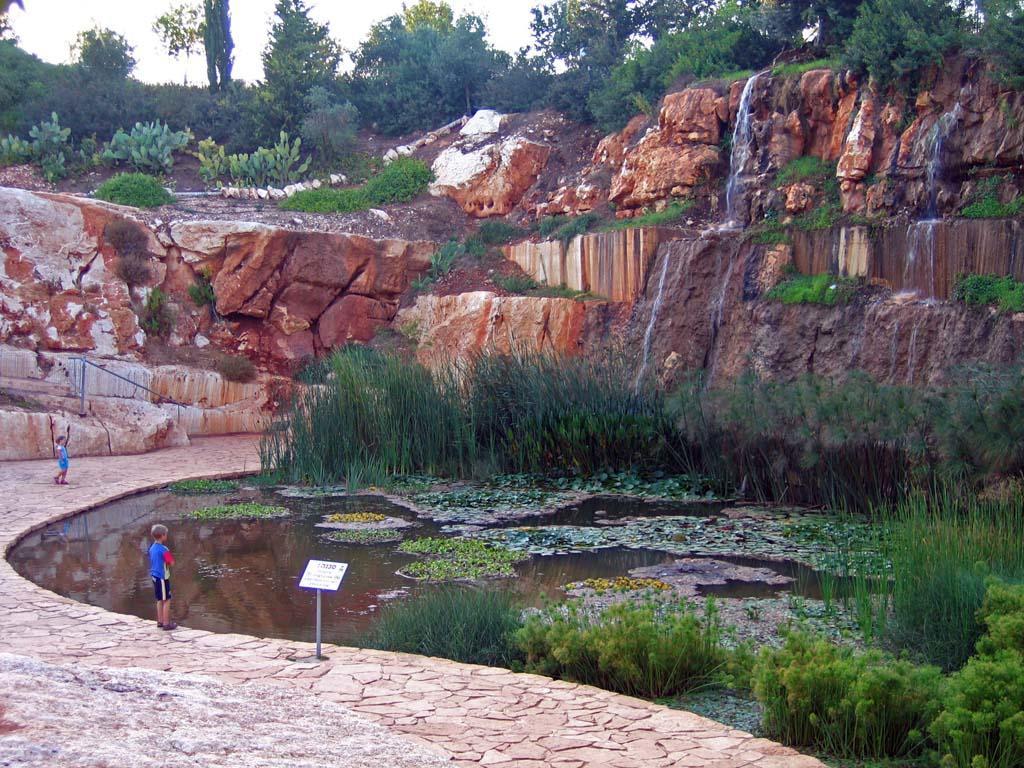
(492, 179)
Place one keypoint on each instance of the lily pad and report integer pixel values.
(242, 511)
(458, 560)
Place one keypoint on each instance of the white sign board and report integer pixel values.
(323, 574)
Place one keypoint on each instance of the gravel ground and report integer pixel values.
(75, 717)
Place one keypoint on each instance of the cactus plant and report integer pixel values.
(149, 146)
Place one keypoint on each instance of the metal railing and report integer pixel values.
(82, 385)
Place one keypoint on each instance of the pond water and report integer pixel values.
(242, 575)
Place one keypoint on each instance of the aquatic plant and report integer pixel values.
(243, 510)
(199, 486)
(367, 536)
(620, 584)
(467, 625)
(356, 517)
(943, 551)
(458, 560)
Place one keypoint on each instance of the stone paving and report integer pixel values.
(476, 715)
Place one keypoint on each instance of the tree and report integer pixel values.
(218, 43)
(103, 54)
(1002, 37)
(420, 76)
(300, 56)
(181, 29)
(6, 30)
(438, 16)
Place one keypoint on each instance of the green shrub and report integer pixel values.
(213, 163)
(639, 650)
(517, 284)
(399, 182)
(985, 202)
(201, 291)
(149, 147)
(281, 164)
(134, 189)
(982, 722)
(332, 129)
(498, 232)
(814, 289)
(565, 228)
(157, 316)
(988, 290)
(670, 215)
(856, 705)
(236, 368)
(467, 625)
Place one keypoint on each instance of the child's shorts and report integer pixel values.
(62, 466)
(161, 588)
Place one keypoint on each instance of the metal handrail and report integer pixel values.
(82, 386)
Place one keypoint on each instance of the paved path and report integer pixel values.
(478, 715)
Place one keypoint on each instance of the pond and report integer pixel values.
(242, 575)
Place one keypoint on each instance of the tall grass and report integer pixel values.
(468, 625)
(943, 549)
(377, 415)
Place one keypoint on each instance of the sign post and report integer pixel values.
(321, 575)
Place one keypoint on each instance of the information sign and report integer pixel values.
(323, 574)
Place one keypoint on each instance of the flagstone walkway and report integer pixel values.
(476, 715)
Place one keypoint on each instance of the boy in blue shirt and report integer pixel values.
(160, 562)
(61, 478)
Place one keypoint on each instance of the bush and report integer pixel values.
(985, 202)
(236, 368)
(134, 189)
(670, 215)
(134, 270)
(982, 722)
(804, 168)
(814, 289)
(498, 232)
(566, 227)
(467, 625)
(157, 316)
(638, 650)
(148, 147)
(332, 130)
(990, 290)
(517, 284)
(856, 705)
(399, 182)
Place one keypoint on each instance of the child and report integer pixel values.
(61, 478)
(160, 562)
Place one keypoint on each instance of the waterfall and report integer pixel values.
(937, 138)
(655, 308)
(894, 349)
(715, 317)
(912, 352)
(742, 146)
(920, 243)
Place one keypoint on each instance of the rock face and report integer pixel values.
(489, 180)
(460, 326)
(612, 265)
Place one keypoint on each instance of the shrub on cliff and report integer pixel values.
(236, 368)
(990, 290)
(399, 182)
(134, 189)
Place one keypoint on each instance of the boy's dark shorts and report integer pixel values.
(161, 588)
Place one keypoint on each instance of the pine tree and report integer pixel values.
(217, 39)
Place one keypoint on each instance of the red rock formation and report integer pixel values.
(489, 180)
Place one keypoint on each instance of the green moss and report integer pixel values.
(814, 289)
(670, 215)
(135, 189)
(195, 487)
(798, 68)
(990, 208)
(240, 511)
(804, 168)
(990, 290)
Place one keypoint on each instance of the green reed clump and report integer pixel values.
(845, 703)
(644, 650)
(376, 415)
(468, 625)
(943, 549)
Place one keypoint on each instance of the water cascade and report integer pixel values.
(742, 147)
(655, 308)
(921, 234)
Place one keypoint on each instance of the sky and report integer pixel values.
(48, 28)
